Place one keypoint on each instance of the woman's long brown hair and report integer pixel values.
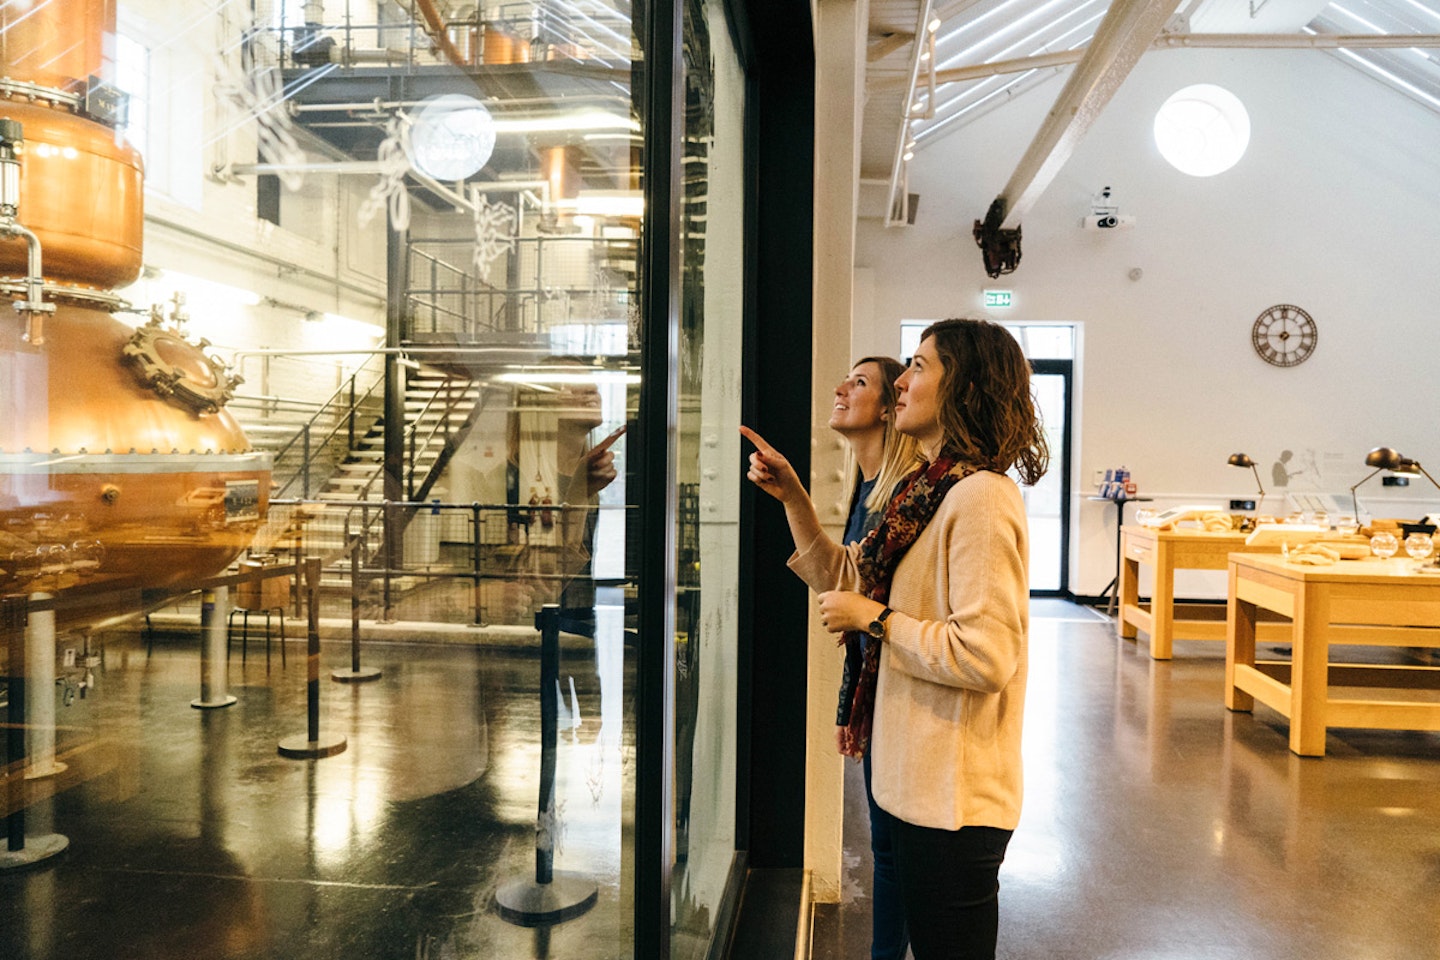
(986, 409)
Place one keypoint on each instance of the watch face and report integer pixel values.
(1284, 335)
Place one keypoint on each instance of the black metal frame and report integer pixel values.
(774, 43)
(1060, 460)
(662, 105)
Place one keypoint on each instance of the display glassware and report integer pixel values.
(1384, 545)
(1419, 545)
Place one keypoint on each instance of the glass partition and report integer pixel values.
(706, 668)
(325, 341)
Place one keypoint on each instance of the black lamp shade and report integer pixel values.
(1386, 458)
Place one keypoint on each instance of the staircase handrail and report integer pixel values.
(412, 431)
(347, 419)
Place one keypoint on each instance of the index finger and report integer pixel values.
(755, 438)
(604, 445)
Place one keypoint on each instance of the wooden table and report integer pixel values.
(1167, 551)
(1373, 602)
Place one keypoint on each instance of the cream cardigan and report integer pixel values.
(945, 750)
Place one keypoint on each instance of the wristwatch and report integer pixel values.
(877, 626)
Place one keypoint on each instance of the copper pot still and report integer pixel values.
(118, 463)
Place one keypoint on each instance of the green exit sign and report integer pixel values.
(999, 298)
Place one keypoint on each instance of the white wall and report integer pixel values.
(1333, 209)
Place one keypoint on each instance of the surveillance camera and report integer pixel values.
(1108, 221)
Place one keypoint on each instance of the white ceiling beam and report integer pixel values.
(1128, 29)
(886, 44)
(1187, 41)
(1296, 41)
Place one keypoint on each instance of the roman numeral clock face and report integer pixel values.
(1284, 335)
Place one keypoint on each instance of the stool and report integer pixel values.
(245, 630)
(269, 596)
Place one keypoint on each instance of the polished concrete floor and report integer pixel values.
(191, 837)
(1159, 826)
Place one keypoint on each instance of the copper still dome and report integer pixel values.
(118, 463)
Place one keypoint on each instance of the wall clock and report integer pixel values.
(1284, 335)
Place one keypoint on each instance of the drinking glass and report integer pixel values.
(1419, 545)
(1384, 545)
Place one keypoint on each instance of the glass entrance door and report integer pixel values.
(1047, 504)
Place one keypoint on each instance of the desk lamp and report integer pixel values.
(1243, 460)
(1388, 458)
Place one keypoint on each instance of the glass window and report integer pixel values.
(707, 648)
(387, 442)
(132, 75)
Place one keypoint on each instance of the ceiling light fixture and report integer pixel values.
(451, 138)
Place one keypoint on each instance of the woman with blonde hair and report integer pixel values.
(941, 589)
(877, 457)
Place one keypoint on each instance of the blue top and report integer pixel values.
(860, 522)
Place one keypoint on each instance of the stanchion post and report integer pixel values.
(388, 525)
(16, 616)
(550, 897)
(475, 522)
(356, 673)
(312, 746)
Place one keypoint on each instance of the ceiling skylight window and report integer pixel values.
(1202, 130)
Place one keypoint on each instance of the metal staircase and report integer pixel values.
(335, 454)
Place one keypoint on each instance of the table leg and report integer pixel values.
(1310, 671)
(1239, 645)
(1129, 596)
(1162, 603)
(1114, 588)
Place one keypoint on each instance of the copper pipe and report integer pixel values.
(33, 305)
(435, 29)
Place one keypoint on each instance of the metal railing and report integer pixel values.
(441, 438)
(505, 568)
(549, 280)
(525, 31)
(327, 437)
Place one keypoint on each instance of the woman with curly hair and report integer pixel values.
(940, 590)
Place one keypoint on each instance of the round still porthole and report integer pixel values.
(1202, 130)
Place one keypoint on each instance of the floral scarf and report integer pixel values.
(909, 512)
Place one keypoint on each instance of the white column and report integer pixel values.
(840, 37)
(40, 694)
(214, 649)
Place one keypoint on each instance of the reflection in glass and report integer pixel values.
(407, 352)
(706, 647)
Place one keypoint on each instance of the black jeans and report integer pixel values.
(949, 881)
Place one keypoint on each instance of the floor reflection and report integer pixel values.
(190, 837)
(1159, 825)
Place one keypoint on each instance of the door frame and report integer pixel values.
(1061, 460)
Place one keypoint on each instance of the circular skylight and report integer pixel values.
(1202, 130)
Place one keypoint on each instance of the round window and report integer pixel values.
(1202, 130)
